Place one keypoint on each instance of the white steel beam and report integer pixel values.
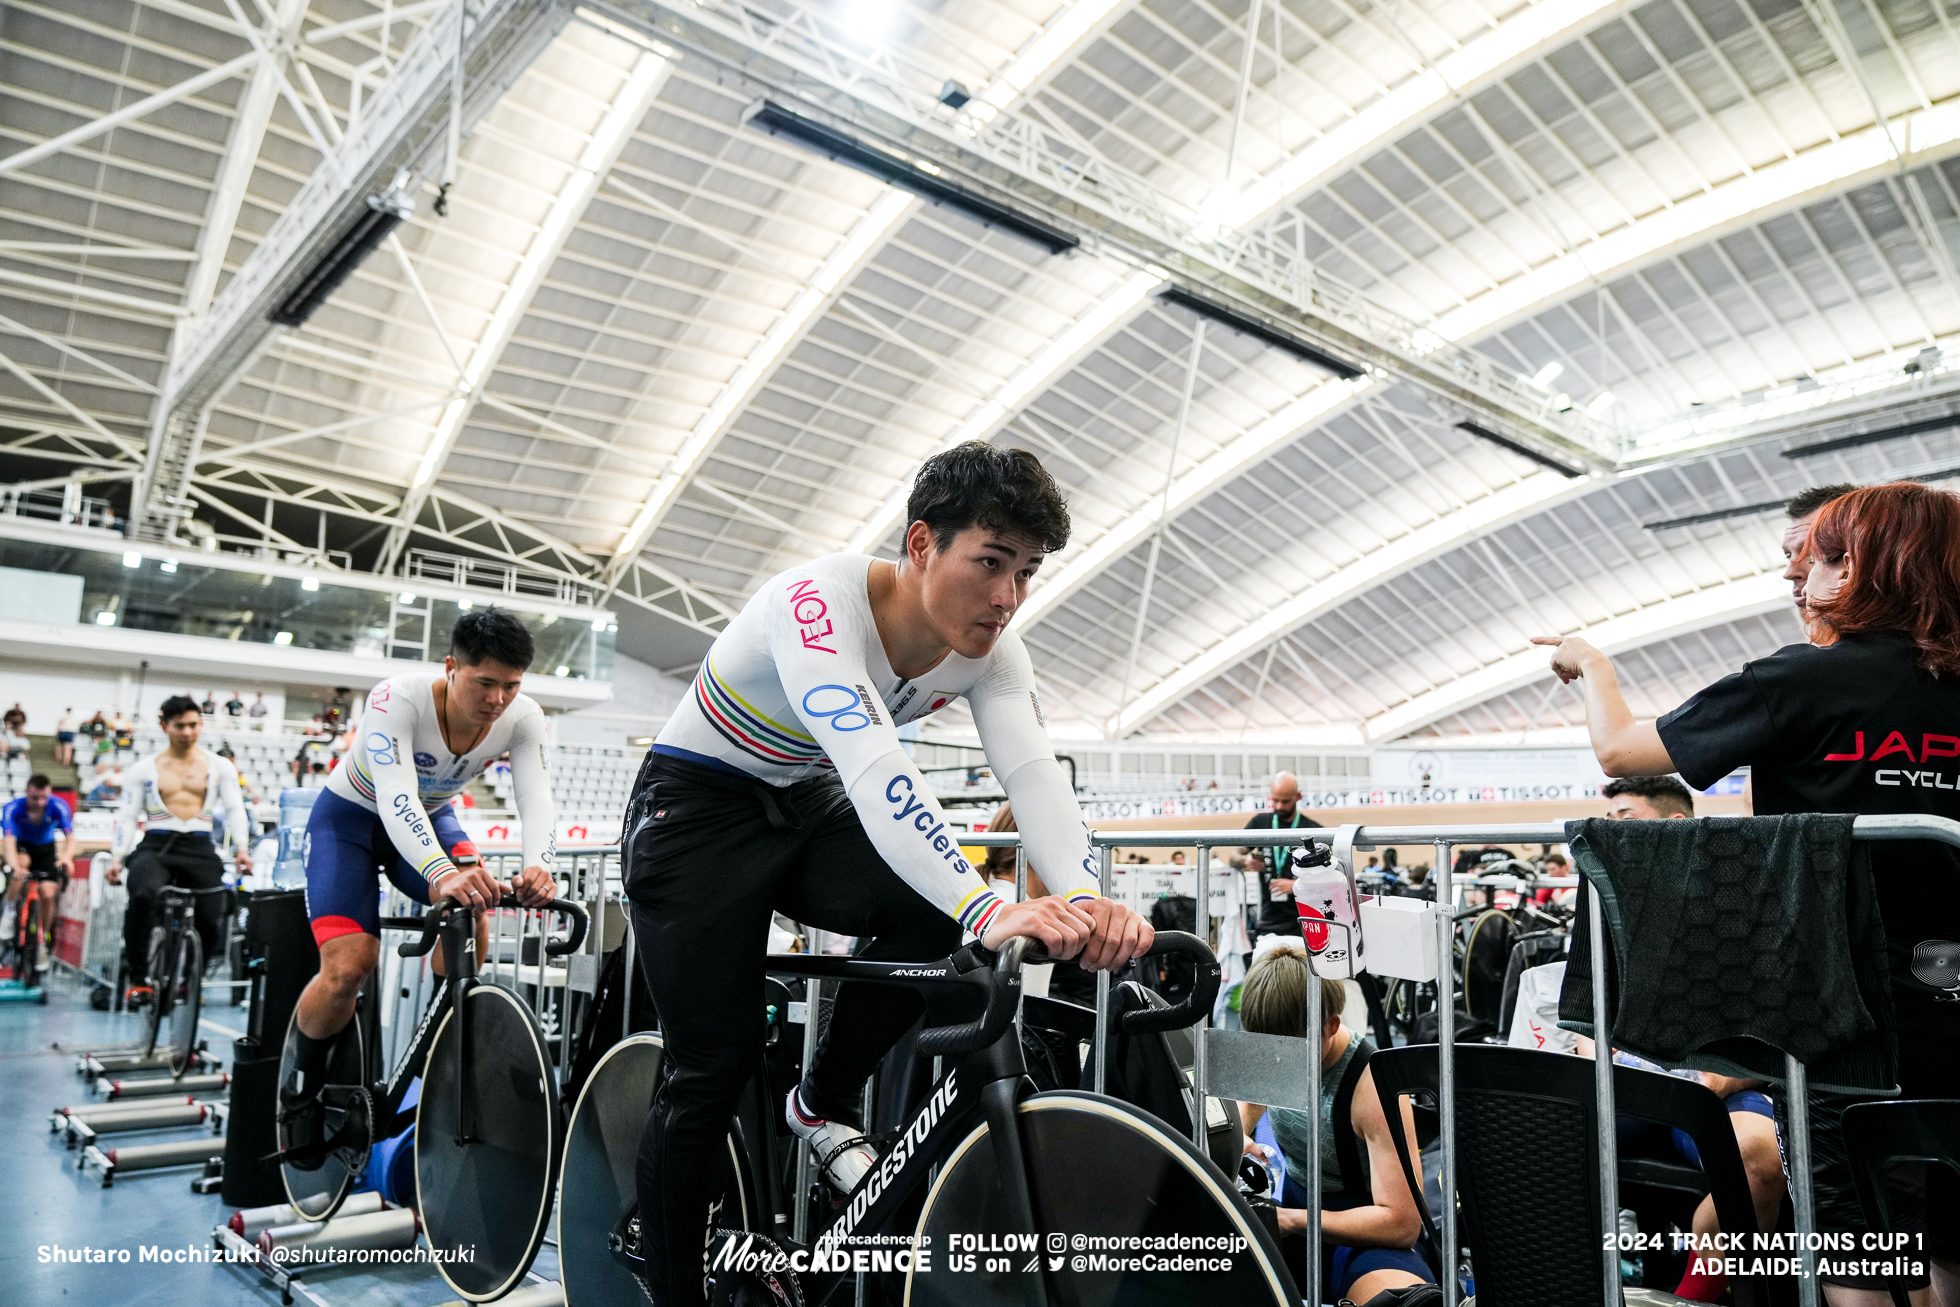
(149, 104)
(851, 254)
(1534, 494)
(1729, 601)
(1852, 160)
(240, 157)
(643, 81)
(1324, 401)
(393, 131)
(1515, 43)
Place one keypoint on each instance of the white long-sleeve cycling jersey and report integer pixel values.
(400, 767)
(799, 683)
(142, 802)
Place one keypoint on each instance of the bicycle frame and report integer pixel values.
(982, 1084)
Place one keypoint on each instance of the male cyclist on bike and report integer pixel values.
(386, 811)
(40, 867)
(780, 783)
(177, 795)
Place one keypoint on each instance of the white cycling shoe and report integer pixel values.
(843, 1155)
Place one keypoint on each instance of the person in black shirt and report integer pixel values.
(1277, 914)
(1864, 720)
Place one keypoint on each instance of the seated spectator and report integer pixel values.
(1663, 798)
(15, 743)
(1559, 867)
(1369, 1222)
(16, 720)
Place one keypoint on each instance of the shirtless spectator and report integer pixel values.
(1659, 798)
(176, 794)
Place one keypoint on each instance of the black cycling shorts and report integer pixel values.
(41, 862)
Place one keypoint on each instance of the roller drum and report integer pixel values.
(249, 1223)
(152, 1157)
(397, 1227)
(152, 1118)
(92, 1112)
(214, 1082)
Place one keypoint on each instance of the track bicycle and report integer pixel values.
(176, 975)
(20, 950)
(487, 1123)
(1055, 1176)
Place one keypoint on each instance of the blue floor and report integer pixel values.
(46, 1202)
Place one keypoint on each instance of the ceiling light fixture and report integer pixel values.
(310, 584)
(1266, 333)
(1545, 376)
(284, 637)
(381, 215)
(132, 558)
(1873, 437)
(1521, 449)
(1604, 400)
(912, 175)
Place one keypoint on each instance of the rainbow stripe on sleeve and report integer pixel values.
(976, 911)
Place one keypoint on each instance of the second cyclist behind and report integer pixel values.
(176, 806)
(386, 811)
(780, 783)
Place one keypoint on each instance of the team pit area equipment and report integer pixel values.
(1232, 1064)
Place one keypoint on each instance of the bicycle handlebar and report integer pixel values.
(432, 922)
(1003, 984)
(1193, 1007)
(1003, 993)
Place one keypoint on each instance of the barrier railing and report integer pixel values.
(1444, 839)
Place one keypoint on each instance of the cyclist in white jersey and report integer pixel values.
(386, 811)
(167, 834)
(780, 784)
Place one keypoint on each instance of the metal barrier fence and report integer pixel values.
(553, 987)
(1444, 839)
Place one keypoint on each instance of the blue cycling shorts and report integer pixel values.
(347, 848)
(1345, 1265)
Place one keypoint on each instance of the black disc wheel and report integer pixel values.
(602, 1145)
(489, 1192)
(1098, 1168)
(159, 976)
(1486, 953)
(317, 1194)
(186, 1000)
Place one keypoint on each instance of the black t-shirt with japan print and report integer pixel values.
(1851, 727)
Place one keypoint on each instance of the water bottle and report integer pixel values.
(1323, 892)
(295, 808)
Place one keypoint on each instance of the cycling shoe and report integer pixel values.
(844, 1156)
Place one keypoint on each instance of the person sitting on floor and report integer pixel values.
(1369, 1224)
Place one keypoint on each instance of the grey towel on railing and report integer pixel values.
(1736, 940)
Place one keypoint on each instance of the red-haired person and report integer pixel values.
(1864, 719)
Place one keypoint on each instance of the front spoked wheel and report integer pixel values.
(186, 1001)
(1106, 1179)
(490, 1192)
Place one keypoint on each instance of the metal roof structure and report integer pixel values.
(1489, 291)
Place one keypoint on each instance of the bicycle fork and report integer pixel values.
(1001, 1099)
